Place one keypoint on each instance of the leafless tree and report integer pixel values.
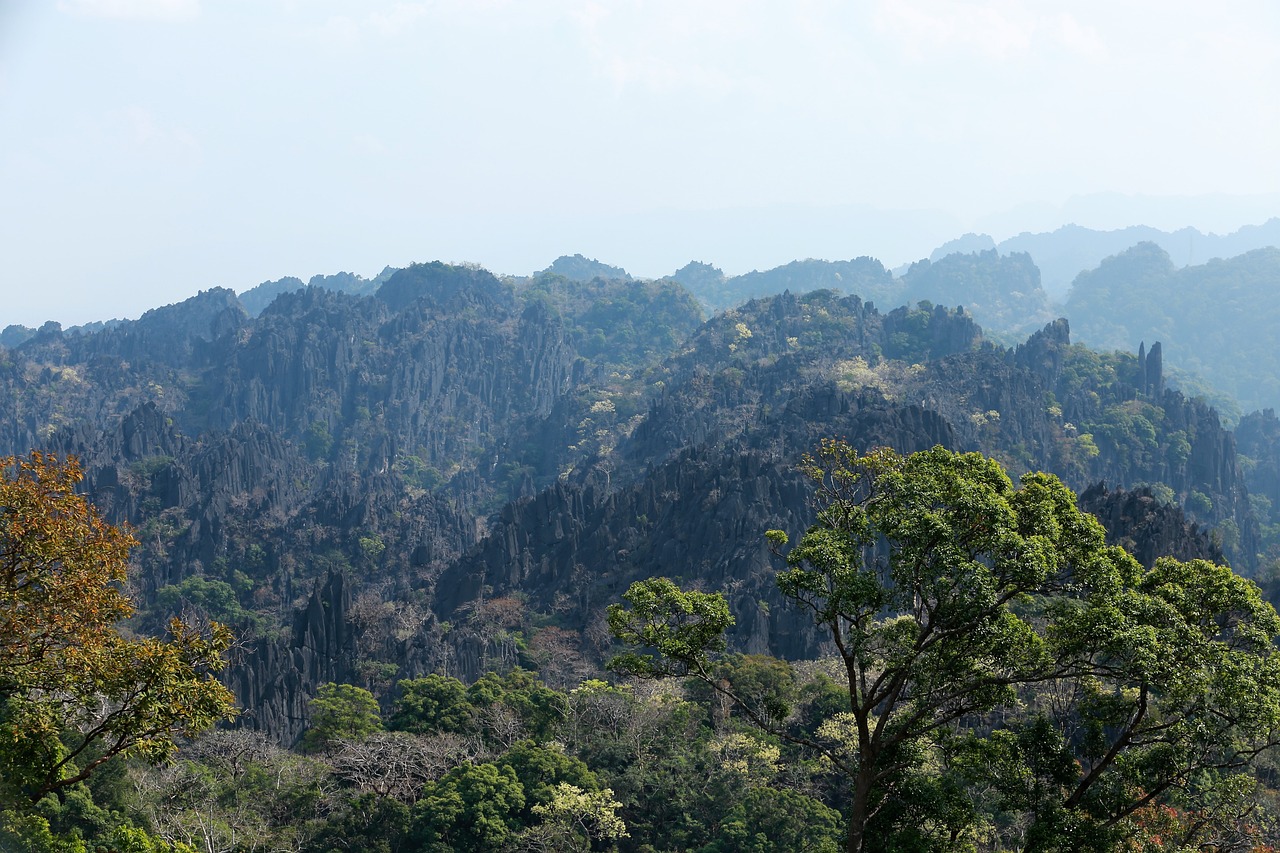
(398, 764)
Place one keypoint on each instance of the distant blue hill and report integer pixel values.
(1066, 252)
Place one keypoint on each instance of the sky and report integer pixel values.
(150, 149)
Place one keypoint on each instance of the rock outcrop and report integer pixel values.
(1148, 529)
(274, 680)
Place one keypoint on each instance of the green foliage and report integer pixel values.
(681, 628)
(370, 824)
(649, 749)
(28, 833)
(538, 708)
(866, 277)
(767, 684)
(1214, 319)
(1002, 292)
(541, 768)
(951, 595)
(433, 703)
(77, 825)
(145, 469)
(341, 712)
(565, 805)
(574, 820)
(1131, 434)
(130, 839)
(473, 808)
(1200, 504)
(819, 700)
(769, 820)
(620, 323)
(214, 599)
(233, 787)
(371, 547)
(317, 440)
(418, 473)
(437, 703)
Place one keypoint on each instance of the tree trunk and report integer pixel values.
(859, 808)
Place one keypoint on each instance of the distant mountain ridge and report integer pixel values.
(1005, 289)
(1066, 252)
(256, 299)
(1220, 315)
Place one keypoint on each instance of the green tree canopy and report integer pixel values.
(341, 712)
(475, 807)
(433, 703)
(949, 594)
(770, 820)
(540, 769)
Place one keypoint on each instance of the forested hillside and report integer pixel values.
(1221, 313)
(440, 473)
(1123, 289)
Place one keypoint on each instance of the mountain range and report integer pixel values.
(446, 471)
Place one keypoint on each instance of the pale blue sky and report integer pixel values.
(153, 148)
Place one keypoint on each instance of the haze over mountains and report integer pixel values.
(1060, 255)
(1017, 286)
(1011, 288)
(1070, 250)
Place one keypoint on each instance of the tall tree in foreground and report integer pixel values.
(75, 691)
(950, 595)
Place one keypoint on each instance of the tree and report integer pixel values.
(571, 820)
(474, 807)
(534, 706)
(75, 691)
(370, 824)
(542, 768)
(771, 820)
(398, 764)
(948, 593)
(1174, 690)
(233, 790)
(341, 712)
(433, 703)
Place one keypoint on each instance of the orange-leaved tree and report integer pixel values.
(75, 690)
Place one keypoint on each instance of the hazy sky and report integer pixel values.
(153, 148)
